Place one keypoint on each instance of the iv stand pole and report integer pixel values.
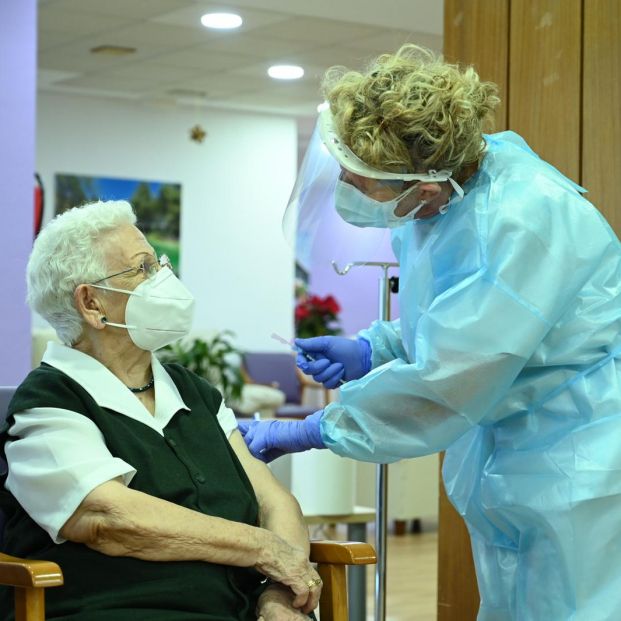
(381, 476)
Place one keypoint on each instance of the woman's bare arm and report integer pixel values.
(119, 521)
(279, 512)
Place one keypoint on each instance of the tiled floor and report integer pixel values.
(411, 577)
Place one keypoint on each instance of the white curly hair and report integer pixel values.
(68, 252)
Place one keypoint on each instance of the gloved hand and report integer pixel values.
(334, 358)
(269, 439)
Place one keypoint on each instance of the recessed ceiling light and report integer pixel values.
(222, 21)
(285, 72)
(113, 50)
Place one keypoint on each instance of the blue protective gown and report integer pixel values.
(507, 354)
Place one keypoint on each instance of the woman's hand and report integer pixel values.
(275, 604)
(270, 439)
(290, 567)
(332, 360)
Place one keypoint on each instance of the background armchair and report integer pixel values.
(280, 371)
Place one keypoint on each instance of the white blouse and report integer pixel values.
(61, 456)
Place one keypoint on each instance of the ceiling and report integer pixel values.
(177, 61)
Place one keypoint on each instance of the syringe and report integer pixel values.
(292, 346)
(299, 350)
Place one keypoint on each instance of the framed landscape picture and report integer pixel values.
(157, 205)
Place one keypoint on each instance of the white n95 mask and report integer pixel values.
(159, 311)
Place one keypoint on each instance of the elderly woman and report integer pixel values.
(129, 473)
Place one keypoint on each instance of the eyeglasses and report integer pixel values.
(381, 190)
(148, 268)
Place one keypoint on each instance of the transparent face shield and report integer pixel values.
(312, 226)
(379, 185)
(325, 241)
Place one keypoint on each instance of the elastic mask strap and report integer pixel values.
(414, 211)
(109, 323)
(119, 325)
(458, 189)
(405, 193)
(446, 175)
(115, 289)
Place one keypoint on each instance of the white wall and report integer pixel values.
(234, 190)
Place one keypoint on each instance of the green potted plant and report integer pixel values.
(215, 358)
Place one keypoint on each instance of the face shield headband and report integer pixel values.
(349, 161)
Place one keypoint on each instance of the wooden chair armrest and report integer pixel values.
(331, 558)
(342, 553)
(247, 379)
(21, 572)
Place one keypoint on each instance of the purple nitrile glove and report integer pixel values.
(269, 439)
(330, 359)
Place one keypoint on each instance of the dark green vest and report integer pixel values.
(192, 465)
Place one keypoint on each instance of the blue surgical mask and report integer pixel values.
(360, 210)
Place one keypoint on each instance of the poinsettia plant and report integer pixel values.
(316, 316)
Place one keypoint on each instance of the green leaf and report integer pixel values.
(216, 359)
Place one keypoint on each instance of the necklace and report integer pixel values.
(143, 388)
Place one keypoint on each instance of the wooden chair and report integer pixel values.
(30, 578)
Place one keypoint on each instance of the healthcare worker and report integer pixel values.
(507, 353)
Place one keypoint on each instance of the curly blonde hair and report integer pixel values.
(411, 111)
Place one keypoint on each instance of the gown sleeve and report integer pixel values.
(541, 243)
(385, 340)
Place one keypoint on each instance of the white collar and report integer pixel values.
(108, 390)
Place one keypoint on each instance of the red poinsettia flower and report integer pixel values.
(331, 305)
(301, 312)
(316, 316)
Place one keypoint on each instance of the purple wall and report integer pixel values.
(358, 291)
(17, 161)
